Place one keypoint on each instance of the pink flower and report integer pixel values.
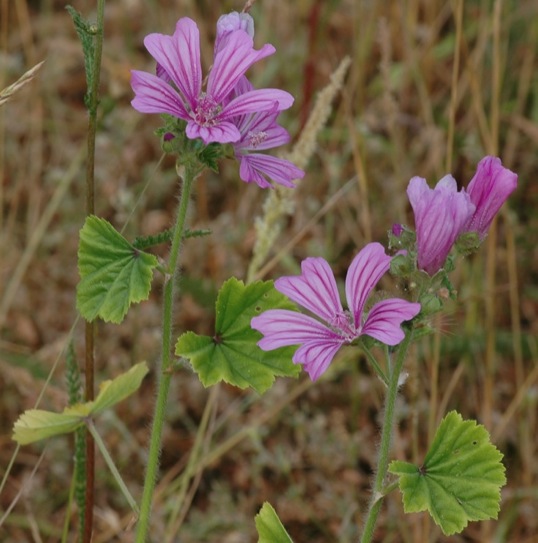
(316, 290)
(208, 114)
(441, 215)
(259, 132)
(488, 190)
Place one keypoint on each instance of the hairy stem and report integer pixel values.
(164, 375)
(386, 440)
(376, 366)
(93, 95)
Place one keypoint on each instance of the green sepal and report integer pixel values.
(210, 155)
(37, 424)
(174, 140)
(232, 355)
(467, 243)
(460, 479)
(113, 273)
(269, 527)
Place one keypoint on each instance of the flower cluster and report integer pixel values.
(443, 214)
(229, 109)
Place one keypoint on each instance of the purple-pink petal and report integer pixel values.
(363, 275)
(316, 356)
(255, 166)
(282, 328)
(224, 132)
(488, 190)
(262, 121)
(260, 130)
(385, 318)
(161, 73)
(255, 101)
(179, 56)
(315, 289)
(249, 174)
(261, 140)
(153, 95)
(231, 62)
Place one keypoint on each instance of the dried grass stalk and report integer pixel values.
(280, 201)
(8, 93)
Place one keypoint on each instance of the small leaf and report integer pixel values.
(232, 354)
(460, 479)
(114, 391)
(113, 273)
(269, 527)
(36, 424)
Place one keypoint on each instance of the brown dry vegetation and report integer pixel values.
(309, 450)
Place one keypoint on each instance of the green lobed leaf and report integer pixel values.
(460, 479)
(269, 527)
(37, 424)
(113, 273)
(232, 354)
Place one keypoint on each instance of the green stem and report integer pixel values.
(93, 93)
(164, 375)
(386, 440)
(376, 366)
(111, 466)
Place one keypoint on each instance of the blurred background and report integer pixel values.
(433, 86)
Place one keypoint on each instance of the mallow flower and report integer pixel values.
(316, 290)
(177, 87)
(488, 190)
(441, 215)
(259, 132)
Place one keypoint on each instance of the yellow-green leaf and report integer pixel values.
(114, 391)
(37, 424)
(269, 527)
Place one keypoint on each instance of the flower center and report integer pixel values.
(342, 324)
(206, 111)
(255, 138)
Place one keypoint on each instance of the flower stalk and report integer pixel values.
(92, 103)
(189, 173)
(378, 491)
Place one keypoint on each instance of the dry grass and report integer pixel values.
(432, 85)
